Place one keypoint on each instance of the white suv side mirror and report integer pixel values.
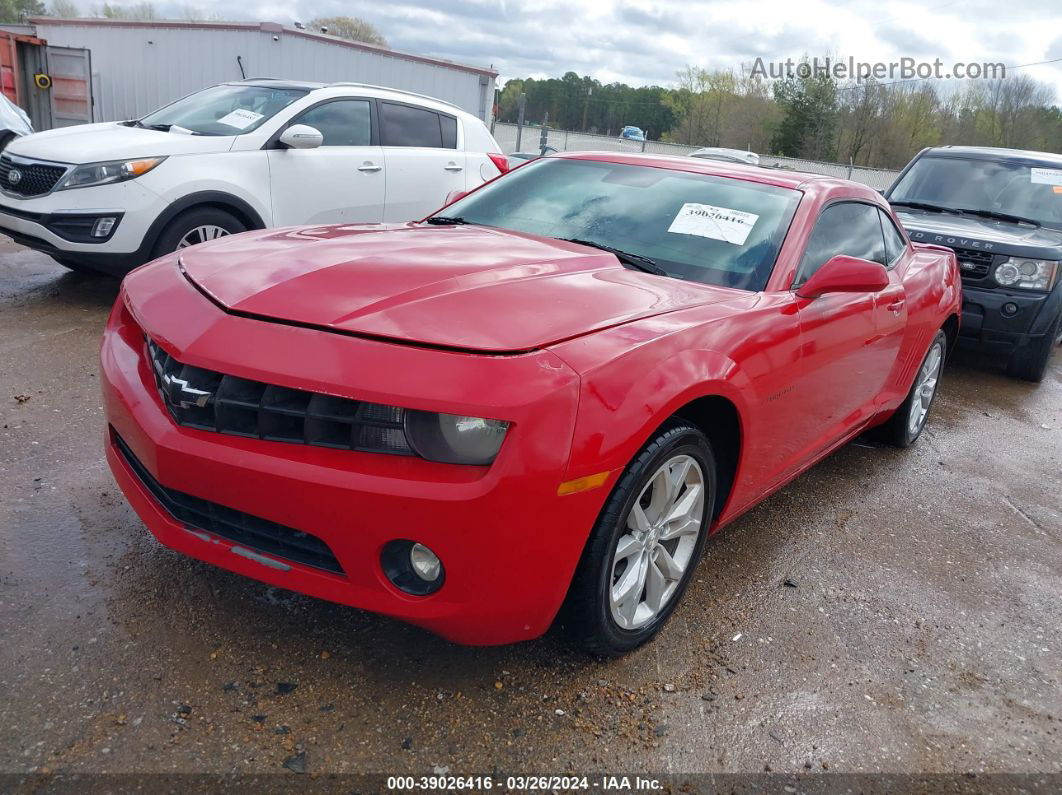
(302, 136)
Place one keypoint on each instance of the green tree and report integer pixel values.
(353, 28)
(141, 11)
(808, 127)
(19, 10)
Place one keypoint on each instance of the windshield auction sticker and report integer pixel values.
(1046, 176)
(240, 118)
(717, 223)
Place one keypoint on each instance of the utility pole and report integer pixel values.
(521, 104)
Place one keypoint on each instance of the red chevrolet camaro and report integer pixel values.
(545, 396)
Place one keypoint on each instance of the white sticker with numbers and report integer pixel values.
(1046, 176)
(717, 223)
(241, 118)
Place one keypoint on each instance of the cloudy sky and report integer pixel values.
(645, 41)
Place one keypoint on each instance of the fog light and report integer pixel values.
(426, 563)
(1010, 309)
(412, 567)
(103, 226)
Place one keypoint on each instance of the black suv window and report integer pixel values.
(844, 228)
(403, 125)
(345, 122)
(895, 245)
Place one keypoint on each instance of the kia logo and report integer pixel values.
(14, 176)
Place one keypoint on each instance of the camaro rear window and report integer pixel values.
(703, 228)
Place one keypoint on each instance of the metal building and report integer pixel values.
(137, 66)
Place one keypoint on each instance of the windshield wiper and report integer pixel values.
(636, 261)
(159, 127)
(446, 220)
(1018, 219)
(933, 208)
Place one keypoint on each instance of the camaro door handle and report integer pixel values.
(452, 167)
(369, 167)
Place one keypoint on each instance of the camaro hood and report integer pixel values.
(94, 143)
(967, 231)
(462, 287)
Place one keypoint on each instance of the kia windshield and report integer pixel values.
(222, 110)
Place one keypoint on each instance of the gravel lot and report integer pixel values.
(890, 611)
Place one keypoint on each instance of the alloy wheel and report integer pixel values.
(925, 388)
(662, 529)
(201, 234)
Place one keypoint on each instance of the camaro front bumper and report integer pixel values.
(508, 542)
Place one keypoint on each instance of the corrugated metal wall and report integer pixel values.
(139, 68)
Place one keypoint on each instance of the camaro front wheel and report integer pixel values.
(646, 543)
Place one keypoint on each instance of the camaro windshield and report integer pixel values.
(694, 226)
(989, 186)
(223, 110)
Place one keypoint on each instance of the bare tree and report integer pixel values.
(64, 9)
(353, 28)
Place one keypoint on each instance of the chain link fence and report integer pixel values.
(565, 141)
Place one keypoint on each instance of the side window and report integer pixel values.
(845, 228)
(402, 125)
(449, 131)
(345, 122)
(895, 245)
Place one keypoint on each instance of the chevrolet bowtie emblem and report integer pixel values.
(183, 394)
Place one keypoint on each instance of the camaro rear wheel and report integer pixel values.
(197, 226)
(646, 543)
(907, 424)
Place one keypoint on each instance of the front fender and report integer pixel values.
(624, 400)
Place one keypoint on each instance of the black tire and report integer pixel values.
(897, 430)
(587, 613)
(192, 219)
(1030, 362)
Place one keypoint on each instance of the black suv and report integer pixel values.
(1001, 211)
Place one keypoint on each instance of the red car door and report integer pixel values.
(891, 308)
(849, 341)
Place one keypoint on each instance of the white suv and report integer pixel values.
(236, 156)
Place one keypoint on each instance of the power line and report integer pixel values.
(935, 77)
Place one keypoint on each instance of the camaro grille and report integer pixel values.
(241, 528)
(212, 401)
(974, 264)
(28, 179)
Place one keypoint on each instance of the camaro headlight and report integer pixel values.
(452, 439)
(106, 173)
(1028, 274)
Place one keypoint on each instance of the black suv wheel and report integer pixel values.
(1030, 362)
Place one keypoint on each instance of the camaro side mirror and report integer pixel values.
(844, 274)
(453, 196)
(302, 136)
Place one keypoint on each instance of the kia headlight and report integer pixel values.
(453, 439)
(1028, 274)
(105, 173)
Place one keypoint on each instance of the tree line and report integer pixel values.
(806, 115)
